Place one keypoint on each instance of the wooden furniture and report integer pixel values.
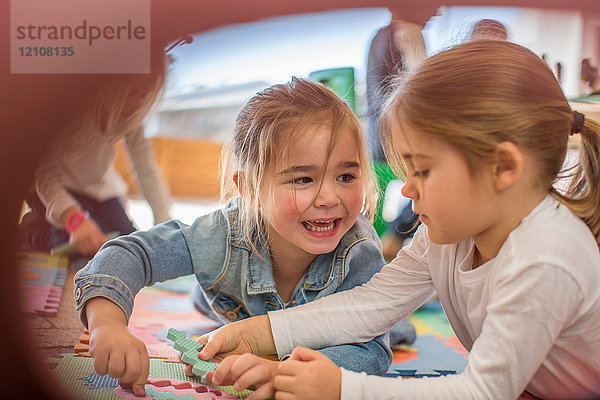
(190, 167)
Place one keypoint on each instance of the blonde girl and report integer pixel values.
(481, 132)
(295, 228)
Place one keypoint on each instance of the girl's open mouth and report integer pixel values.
(318, 225)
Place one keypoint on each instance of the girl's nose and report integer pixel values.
(327, 196)
(409, 189)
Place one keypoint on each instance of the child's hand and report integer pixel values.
(246, 371)
(87, 238)
(116, 351)
(308, 374)
(225, 341)
(121, 355)
(252, 335)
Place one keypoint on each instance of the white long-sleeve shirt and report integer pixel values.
(84, 162)
(530, 317)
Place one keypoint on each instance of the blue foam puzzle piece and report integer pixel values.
(95, 381)
(434, 359)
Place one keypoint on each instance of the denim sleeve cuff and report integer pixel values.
(102, 286)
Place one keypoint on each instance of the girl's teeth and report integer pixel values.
(311, 227)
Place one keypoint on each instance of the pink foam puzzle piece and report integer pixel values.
(173, 388)
(41, 300)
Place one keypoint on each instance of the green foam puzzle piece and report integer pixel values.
(72, 367)
(189, 352)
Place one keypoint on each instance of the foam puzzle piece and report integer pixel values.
(71, 372)
(189, 352)
(42, 278)
(41, 300)
(95, 381)
(41, 260)
(46, 276)
(151, 307)
(176, 389)
(196, 329)
(434, 359)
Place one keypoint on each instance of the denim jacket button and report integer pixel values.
(231, 315)
(77, 294)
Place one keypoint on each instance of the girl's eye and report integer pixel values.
(346, 178)
(421, 174)
(302, 181)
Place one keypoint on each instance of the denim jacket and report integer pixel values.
(236, 283)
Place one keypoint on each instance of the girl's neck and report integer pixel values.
(288, 269)
(289, 264)
(489, 242)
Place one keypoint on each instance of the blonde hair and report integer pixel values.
(270, 121)
(125, 101)
(485, 92)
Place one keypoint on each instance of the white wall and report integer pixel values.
(557, 34)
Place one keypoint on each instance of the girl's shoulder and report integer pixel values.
(552, 235)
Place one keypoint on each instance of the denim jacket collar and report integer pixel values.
(260, 271)
(259, 268)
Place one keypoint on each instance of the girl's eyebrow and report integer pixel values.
(408, 156)
(297, 168)
(309, 168)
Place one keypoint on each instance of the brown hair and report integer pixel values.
(485, 92)
(488, 29)
(125, 100)
(272, 119)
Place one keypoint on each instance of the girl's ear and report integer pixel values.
(507, 166)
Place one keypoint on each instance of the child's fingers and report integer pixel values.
(136, 373)
(266, 391)
(187, 369)
(100, 362)
(133, 367)
(285, 396)
(204, 338)
(213, 345)
(290, 367)
(250, 371)
(116, 364)
(305, 354)
(209, 376)
(139, 386)
(284, 383)
(223, 371)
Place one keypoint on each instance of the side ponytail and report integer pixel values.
(582, 194)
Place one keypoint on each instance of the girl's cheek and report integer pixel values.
(290, 204)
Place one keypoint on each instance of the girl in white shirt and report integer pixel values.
(78, 192)
(480, 132)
